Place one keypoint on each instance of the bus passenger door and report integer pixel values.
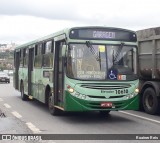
(58, 74)
(16, 74)
(30, 69)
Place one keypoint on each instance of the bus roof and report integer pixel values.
(66, 31)
(42, 39)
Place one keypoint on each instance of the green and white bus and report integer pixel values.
(80, 69)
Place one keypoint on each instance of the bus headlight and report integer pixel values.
(77, 94)
(80, 96)
(83, 96)
(130, 96)
(136, 90)
(70, 89)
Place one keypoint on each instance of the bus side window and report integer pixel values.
(48, 54)
(36, 50)
(38, 55)
(25, 57)
(21, 58)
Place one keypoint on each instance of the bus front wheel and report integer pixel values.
(53, 110)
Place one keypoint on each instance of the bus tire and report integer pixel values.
(24, 97)
(53, 110)
(104, 113)
(150, 101)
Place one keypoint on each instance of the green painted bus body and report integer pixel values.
(39, 83)
(87, 99)
(75, 102)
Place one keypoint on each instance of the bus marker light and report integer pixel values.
(68, 86)
(106, 104)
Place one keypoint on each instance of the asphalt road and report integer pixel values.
(34, 117)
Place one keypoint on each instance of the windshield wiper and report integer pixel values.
(113, 57)
(117, 53)
(89, 45)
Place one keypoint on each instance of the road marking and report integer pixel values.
(141, 117)
(6, 105)
(33, 127)
(16, 114)
(1, 99)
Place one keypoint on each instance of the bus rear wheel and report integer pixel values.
(53, 110)
(24, 97)
(150, 101)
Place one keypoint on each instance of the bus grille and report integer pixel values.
(105, 86)
(103, 97)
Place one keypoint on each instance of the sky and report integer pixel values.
(22, 21)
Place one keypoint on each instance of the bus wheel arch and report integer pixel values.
(49, 101)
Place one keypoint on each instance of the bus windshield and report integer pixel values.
(101, 62)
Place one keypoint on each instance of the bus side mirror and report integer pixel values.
(64, 47)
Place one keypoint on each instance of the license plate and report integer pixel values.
(106, 104)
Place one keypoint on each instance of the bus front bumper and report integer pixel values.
(75, 104)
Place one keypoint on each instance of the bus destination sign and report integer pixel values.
(103, 34)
